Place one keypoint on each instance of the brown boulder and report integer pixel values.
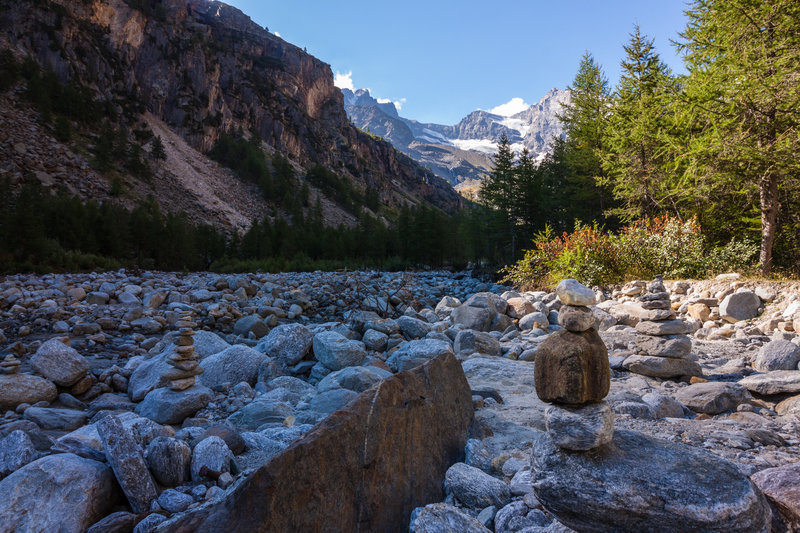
(364, 468)
(572, 368)
(781, 485)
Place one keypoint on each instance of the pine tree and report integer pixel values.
(743, 92)
(157, 148)
(499, 190)
(634, 148)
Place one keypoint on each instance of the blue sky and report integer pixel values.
(441, 59)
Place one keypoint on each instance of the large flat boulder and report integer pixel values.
(364, 468)
(24, 388)
(640, 483)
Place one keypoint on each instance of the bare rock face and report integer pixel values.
(378, 459)
(639, 483)
(572, 368)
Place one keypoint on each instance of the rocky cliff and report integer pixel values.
(204, 68)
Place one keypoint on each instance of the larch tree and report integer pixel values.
(743, 101)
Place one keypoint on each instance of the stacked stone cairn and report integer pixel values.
(184, 361)
(661, 344)
(9, 365)
(571, 372)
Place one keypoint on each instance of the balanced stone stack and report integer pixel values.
(572, 373)
(9, 365)
(662, 346)
(184, 361)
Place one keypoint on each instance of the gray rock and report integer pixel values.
(126, 460)
(288, 343)
(445, 306)
(777, 355)
(173, 501)
(444, 518)
(603, 319)
(332, 400)
(677, 346)
(521, 483)
(148, 375)
(97, 298)
(469, 341)
(661, 367)
(639, 483)
(232, 365)
(126, 298)
(293, 384)
(149, 523)
(213, 453)
(536, 319)
(713, 397)
(58, 419)
(119, 522)
(167, 406)
(741, 305)
(260, 412)
(581, 428)
(662, 327)
(486, 516)
(517, 516)
(59, 363)
(576, 319)
(475, 488)
(775, 382)
(250, 324)
(571, 292)
(354, 378)
(16, 389)
(16, 450)
(413, 328)
(375, 340)
(479, 311)
(61, 492)
(415, 353)
(335, 351)
(662, 406)
(168, 459)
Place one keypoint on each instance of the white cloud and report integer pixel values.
(277, 34)
(383, 100)
(512, 107)
(344, 80)
(398, 104)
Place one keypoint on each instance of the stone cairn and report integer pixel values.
(184, 361)
(9, 365)
(662, 346)
(571, 372)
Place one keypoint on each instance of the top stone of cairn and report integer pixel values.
(571, 292)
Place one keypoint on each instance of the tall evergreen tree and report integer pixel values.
(633, 152)
(743, 92)
(500, 190)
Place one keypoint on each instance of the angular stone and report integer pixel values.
(212, 453)
(444, 518)
(663, 327)
(519, 307)
(119, 522)
(232, 365)
(354, 378)
(572, 368)
(16, 450)
(777, 355)
(383, 456)
(61, 492)
(713, 397)
(58, 419)
(125, 458)
(662, 406)
(288, 343)
(775, 382)
(781, 485)
(413, 328)
(331, 400)
(534, 320)
(572, 292)
(789, 406)
(415, 353)
(742, 305)
(575, 319)
(24, 388)
(475, 488)
(699, 311)
(250, 324)
(469, 341)
(167, 406)
(260, 412)
(375, 340)
(661, 367)
(173, 501)
(59, 363)
(168, 460)
(639, 483)
(336, 351)
(676, 346)
(582, 428)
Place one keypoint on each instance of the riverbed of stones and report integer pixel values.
(157, 393)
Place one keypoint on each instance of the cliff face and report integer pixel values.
(205, 68)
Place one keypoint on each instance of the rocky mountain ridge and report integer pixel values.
(204, 68)
(460, 152)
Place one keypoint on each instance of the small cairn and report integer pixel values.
(662, 346)
(9, 365)
(184, 361)
(571, 372)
